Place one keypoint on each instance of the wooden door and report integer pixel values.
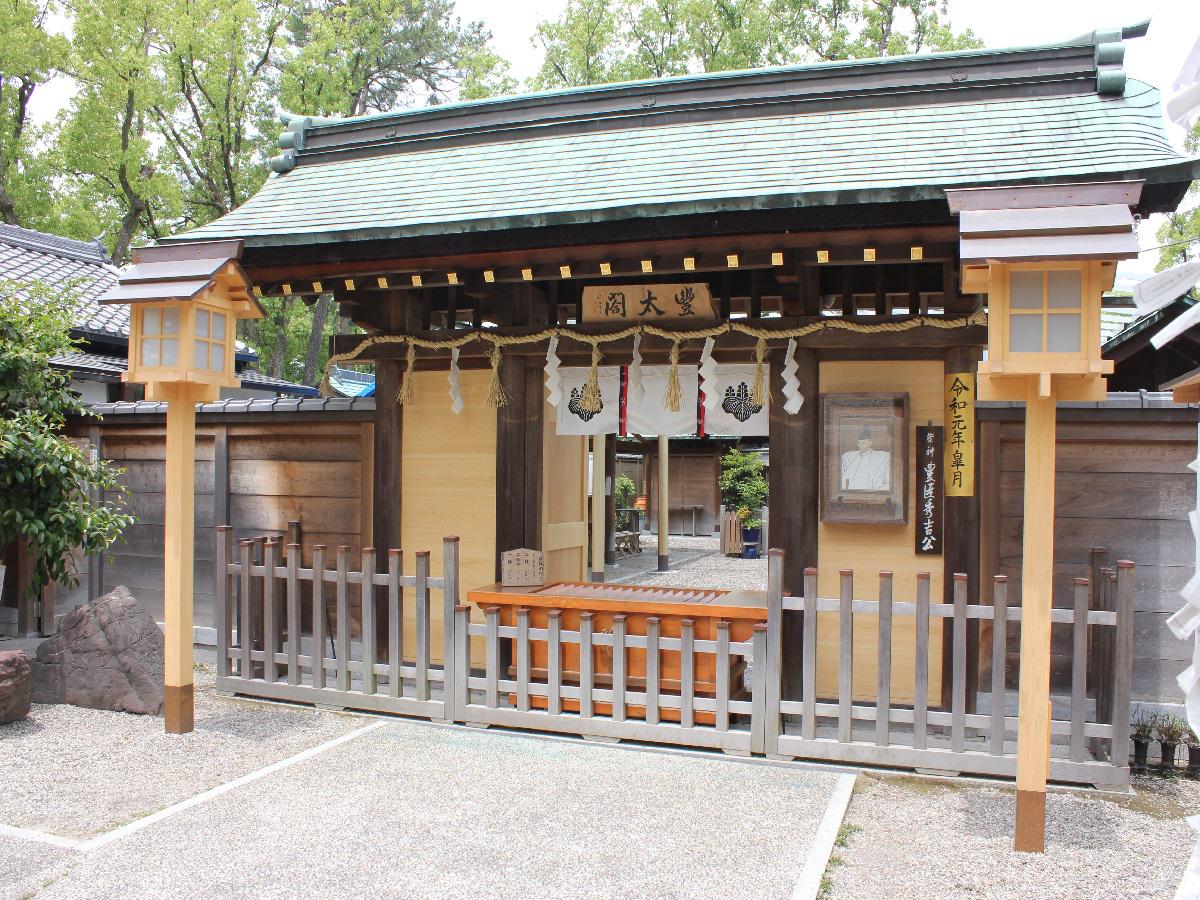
(564, 502)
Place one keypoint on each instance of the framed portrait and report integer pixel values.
(864, 459)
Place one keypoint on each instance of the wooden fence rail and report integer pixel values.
(265, 598)
(743, 714)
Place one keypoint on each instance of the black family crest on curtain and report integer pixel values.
(575, 406)
(738, 403)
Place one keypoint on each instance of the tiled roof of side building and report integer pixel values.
(876, 131)
(28, 256)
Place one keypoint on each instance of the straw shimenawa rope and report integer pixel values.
(496, 394)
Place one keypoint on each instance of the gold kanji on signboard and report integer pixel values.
(646, 302)
(959, 460)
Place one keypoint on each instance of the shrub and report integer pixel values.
(46, 479)
(743, 486)
(624, 492)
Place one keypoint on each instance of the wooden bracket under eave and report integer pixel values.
(1068, 388)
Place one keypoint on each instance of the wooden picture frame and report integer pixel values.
(864, 459)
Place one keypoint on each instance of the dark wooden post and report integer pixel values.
(961, 545)
(610, 502)
(793, 501)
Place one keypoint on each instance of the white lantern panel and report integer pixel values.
(1062, 333)
(200, 355)
(150, 351)
(170, 349)
(202, 323)
(218, 326)
(1025, 334)
(152, 321)
(1026, 290)
(1064, 289)
(170, 320)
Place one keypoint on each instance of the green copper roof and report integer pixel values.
(877, 132)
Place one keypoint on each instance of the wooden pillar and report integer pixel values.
(961, 546)
(389, 420)
(794, 478)
(664, 516)
(178, 554)
(1037, 576)
(610, 503)
(519, 458)
(598, 507)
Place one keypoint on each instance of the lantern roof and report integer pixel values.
(1047, 222)
(183, 273)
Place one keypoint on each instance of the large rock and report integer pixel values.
(106, 655)
(14, 686)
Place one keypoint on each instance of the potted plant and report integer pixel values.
(744, 489)
(1141, 730)
(1170, 731)
(751, 532)
(1193, 748)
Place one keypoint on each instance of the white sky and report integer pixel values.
(1156, 58)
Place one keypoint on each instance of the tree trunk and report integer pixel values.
(316, 337)
(280, 352)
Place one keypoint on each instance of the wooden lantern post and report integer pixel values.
(1044, 256)
(185, 301)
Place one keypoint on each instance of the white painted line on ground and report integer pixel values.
(137, 825)
(808, 885)
(41, 837)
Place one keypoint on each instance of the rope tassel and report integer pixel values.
(496, 395)
(590, 399)
(673, 398)
(758, 395)
(408, 391)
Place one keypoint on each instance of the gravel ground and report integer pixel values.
(410, 810)
(78, 772)
(913, 838)
(704, 566)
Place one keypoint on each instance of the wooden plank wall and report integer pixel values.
(449, 487)
(273, 469)
(1122, 483)
(868, 549)
(691, 481)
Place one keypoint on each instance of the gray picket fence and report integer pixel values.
(311, 636)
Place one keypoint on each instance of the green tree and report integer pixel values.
(595, 42)
(361, 56)
(30, 57)
(743, 486)
(106, 138)
(1179, 235)
(45, 477)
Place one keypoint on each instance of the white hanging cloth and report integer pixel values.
(572, 418)
(729, 408)
(648, 415)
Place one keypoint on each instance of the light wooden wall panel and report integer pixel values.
(564, 502)
(870, 549)
(449, 485)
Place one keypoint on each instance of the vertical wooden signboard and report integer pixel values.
(960, 434)
(929, 490)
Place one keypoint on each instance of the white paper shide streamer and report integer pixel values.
(553, 376)
(637, 391)
(793, 399)
(456, 397)
(708, 375)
